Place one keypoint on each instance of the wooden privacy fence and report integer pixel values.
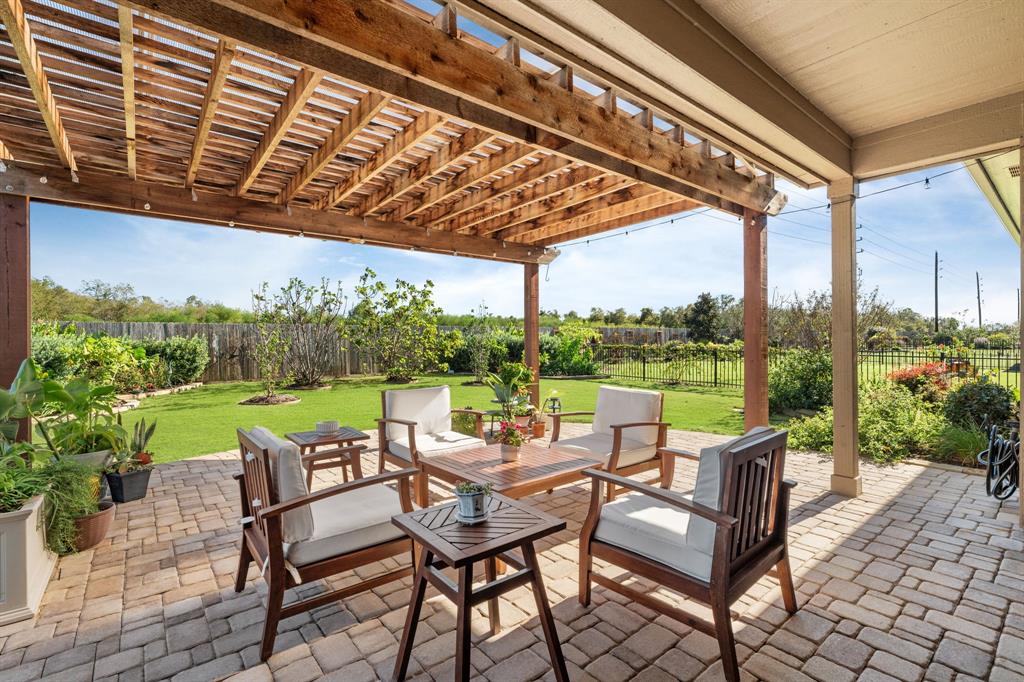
(231, 346)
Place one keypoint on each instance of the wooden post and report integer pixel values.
(755, 319)
(1020, 223)
(16, 297)
(845, 458)
(531, 327)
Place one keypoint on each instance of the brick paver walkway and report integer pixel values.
(921, 578)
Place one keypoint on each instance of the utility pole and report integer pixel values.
(936, 292)
(977, 282)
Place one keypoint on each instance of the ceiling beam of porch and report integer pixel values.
(593, 228)
(214, 86)
(112, 193)
(127, 39)
(12, 13)
(356, 40)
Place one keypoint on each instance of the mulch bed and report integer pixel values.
(279, 399)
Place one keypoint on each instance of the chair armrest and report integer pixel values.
(559, 415)
(667, 496)
(467, 410)
(677, 452)
(556, 421)
(392, 420)
(633, 424)
(295, 503)
(350, 450)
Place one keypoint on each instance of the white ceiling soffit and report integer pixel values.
(659, 51)
(998, 177)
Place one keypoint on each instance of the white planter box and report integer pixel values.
(25, 563)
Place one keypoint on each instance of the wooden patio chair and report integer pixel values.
(710, 548)
(296, 537)
(417, 423)
(628, 432)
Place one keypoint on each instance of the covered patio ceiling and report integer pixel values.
(135, 110)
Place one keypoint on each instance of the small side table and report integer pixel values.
(309, 441)
(445, 542)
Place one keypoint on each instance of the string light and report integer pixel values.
(146, 206)
(43, 180)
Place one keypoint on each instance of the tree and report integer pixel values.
(111, 302)
(596, 315)
(730, 318)
(671, 317)
(308, 315)
(478, 340)
(272, 343)
(647, 317)
(398, 327)
(701, 318)
(617, 316)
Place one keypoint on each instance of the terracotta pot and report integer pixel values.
(93, 528)
(538, 429)
(523, 420)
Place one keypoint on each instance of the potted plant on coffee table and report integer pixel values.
(511, 439)
(472, 501)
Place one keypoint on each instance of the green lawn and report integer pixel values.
(204, 420)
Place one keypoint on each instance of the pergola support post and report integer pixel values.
(1020, 222)
(531, 327)
(16, 288)
(845, 459)
(755, 319)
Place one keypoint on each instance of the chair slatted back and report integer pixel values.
(753, 477)
(259, 486)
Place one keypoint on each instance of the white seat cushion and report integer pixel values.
(347, 522)
(708, 488)
(626, 406)
(600, 444)
(428, 444)
(655, 530)
(289, 479)
(430, 408)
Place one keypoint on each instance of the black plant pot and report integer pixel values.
(130, 486)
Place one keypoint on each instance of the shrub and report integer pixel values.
(927, 380)
(801, 379)
(187, 358)
(943, 339)
(1002, 340)
(572, 353)
(958, 445)
(979, 402)
(894, 424)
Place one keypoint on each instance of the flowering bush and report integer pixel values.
(509, 434)
(928, 380)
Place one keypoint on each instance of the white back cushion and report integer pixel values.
(290, 480)
(708, 489)
(430, 408)
(627, 405)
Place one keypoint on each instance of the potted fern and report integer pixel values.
(129, 471)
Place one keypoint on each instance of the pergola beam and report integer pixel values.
(624, 201)
(12, 12)
(111, 193)
(678, 206)
(591, 196)
(127, 41)
(424, 126)
(299, 92)
(214, 86)
(354, 39)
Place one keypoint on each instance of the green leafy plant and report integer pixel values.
(510, 387)
(186, 356)
(479, 344)
(139, 445)
(979, 402)
(398, 328)
(958, 445)
(470, 488)
(509, 434)
(272, 344)
(19, 482)
(71, 493)
(81, 419)
(126, 461)
(801, 379)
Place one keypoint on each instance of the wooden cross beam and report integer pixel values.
(381, 47)
(581, 232)
(404, 140)
(298, 94)
(108, 192)
(623, 202)
(214, 86)
(127, 39)
(12, 13)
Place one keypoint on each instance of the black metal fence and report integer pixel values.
(703, 366)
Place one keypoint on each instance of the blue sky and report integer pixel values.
(664, 265)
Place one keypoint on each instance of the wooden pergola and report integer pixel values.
(365, 121)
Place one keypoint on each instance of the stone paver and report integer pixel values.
(919, 579)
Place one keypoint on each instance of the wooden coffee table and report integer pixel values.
(446, 543)
(344, 437)
(538, 468)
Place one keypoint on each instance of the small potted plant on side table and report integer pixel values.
(511, 438)
(472, 501)
(128, 474)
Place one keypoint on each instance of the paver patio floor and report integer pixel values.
(920, 578)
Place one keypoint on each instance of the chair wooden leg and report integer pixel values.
(726, 642)
(547, 621)
(668, 470)
(357, 465)
(586, 566)
(412, 617)
(244, 559)
(493, 614)
(275, 599)
(463, 631)
(309, 477)
(420, 481)
(786, 584)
